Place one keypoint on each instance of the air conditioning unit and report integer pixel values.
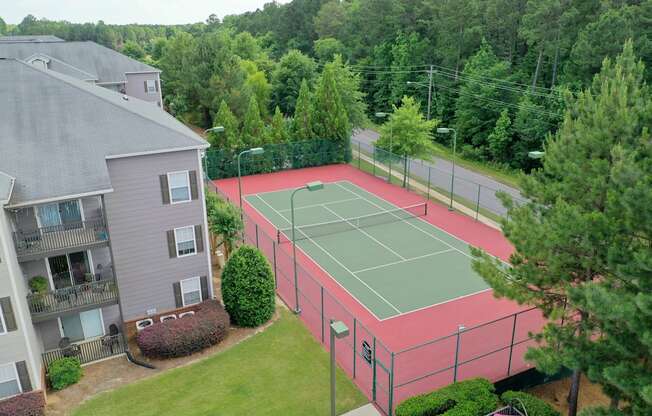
(189, 313)
(168, 317)
(144, 323)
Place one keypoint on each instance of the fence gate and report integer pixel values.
(383, 378)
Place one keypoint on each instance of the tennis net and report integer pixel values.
(304, 232)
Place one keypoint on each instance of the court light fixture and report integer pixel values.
(310, 186)
(380, 114)
(443, 130)
(216, 129)
(537, 154)
(338, 331)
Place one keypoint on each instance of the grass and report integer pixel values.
(281, 371)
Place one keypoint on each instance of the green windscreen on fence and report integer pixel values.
(221, 163)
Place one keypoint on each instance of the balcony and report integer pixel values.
(33, 244)
(48, 305)
(89, 350)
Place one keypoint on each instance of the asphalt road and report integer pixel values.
(466, 181)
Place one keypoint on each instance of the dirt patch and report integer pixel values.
(556, 392)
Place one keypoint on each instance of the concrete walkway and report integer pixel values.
(366, 410)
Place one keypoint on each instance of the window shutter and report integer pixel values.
(156, 84)
(23, 376)
(172, 244)
(165, 190)
(204, 288)
(178, 300)
(145, 82)
(8, 313)
(199, 239)
(194, 190)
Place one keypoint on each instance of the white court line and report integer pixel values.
(365, 233)
(333, 258)
(448, 250)
(320, 205)
(408, 223)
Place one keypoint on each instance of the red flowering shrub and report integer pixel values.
(187, 335)
(26, 404)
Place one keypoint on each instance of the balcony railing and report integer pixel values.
(58, 237)
(88, 351)
(44, 306)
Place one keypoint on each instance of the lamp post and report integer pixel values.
(216, 129)
(311, 186)
(338, 331)
(391, 136)
(537, 154)
(460, 329)
(253, 151)
(446, 130)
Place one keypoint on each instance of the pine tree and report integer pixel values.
(500, 139)
(565, 239)
(303, 123)
(229, 139)
(330, 118)
(253, 126)
(277, 129)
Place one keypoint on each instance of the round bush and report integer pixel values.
(187, 335)
(534, 406)
(474, 397)
(64, 372)
(248, 287)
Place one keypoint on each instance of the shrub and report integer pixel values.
(27, 404)
(533, 405)
(248, 287)
(38, 284)
(187, 335)
(474, 397)
(64, 372)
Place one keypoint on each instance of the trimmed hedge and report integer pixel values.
(26, 404)
(534, 406)
(187, 335)
(474, 397)
(64, 372)
(248, 287)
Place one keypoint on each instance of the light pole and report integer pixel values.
(391, 135)
(216, 129)
(460, 329)
(253, 151)
(446, 130)
(311, 186)
(338, 331)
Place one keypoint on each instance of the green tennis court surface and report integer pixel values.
(389, 259)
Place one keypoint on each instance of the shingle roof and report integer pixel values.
(106, 65)
(56, 132)
(31, 38)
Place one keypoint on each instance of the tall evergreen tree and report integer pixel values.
(330, 118)
(253, 126)
(229, 139)
(277, 130)
(348, 85)
(302, 126)
(500, 138)
(565, 238)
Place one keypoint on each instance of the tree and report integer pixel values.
(348, 86)
(253, 126)
(3, 27)
(256, 84)
(330, 120)
(566, 236)
(286, 79)
(408, 131)
(248, 287)
(277, 131)
(330, 20)
(224, 220)
(229, 139)
(302, 126)
(500, 138)
(327, 48)
(133, 50)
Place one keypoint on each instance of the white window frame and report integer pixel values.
(187, 173)
(152, 90)
(20, 387)
(194, 241)
(183, 298)
(4, 324)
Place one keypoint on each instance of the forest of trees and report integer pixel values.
(499, 69)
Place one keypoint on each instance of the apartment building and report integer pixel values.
(102, 206)
(89, 62)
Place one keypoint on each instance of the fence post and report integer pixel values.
(256, 235)
(373, 376)
(391, 386)
(429, 170)
(374, 158)
(460, 328)
(477, 205)
(275, 268)
(321, 296)
(355, 343)
(511, 347)
(405, 170)
(359, 157)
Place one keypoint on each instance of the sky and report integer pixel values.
(126, 11)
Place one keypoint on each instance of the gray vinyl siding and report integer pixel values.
(135, 86)
(138, 222)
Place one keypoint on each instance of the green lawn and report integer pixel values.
(281, 371)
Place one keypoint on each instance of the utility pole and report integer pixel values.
(429, 90)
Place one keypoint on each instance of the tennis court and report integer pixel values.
(387, 257)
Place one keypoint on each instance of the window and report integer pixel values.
(185, 240)
(150, 86)
(9, 385)
(3, 326)
(179, 184)
(191, 291)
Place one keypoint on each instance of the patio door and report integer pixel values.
(67, 213)
(85, 325)
(69, 269)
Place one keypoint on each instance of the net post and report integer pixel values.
(477, 205)
(275, 267)
(257, 245)
(391, 386)
(429, 170)
(355, 342)
(373, 376)
(511, 346)
(321, 296)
